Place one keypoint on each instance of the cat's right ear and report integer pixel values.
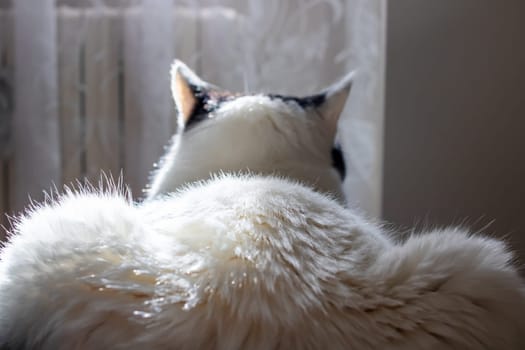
(187, 90)
(335, 97)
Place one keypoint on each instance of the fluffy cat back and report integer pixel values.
(249, 262)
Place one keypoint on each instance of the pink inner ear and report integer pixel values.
(184, 98)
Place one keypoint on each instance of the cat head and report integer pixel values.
(219, 131)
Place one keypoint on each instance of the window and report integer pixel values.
(90, 91)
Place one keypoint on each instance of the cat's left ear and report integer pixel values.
(332, 100)
(188, 90)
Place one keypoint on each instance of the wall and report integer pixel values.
(455, 115)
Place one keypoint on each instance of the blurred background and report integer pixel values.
(454, 146)
(86, 82)
(432, 134)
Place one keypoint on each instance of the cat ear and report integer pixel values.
(187, 89)
(333, 101)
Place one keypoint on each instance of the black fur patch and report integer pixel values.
(206, 102)
(304, 102)
(338, 161)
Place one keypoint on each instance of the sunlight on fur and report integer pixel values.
(244, 242)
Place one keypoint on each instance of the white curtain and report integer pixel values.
(91, 79)
(35, 162)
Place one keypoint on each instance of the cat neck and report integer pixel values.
(173, 176)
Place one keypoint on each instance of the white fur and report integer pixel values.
(248, 263)
(252, 133)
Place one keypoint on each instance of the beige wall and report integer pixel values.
(455, 115)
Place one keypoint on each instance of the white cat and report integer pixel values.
(266, 259)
